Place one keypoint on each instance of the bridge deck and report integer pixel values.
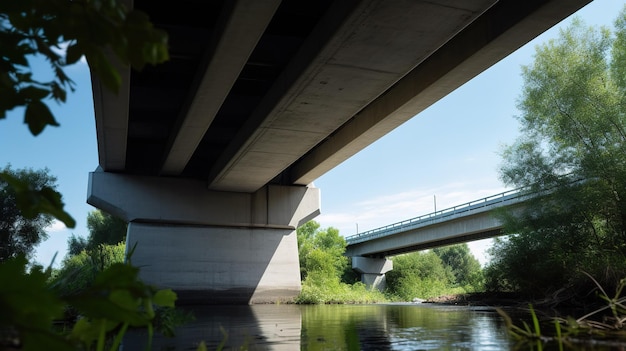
(471, 208)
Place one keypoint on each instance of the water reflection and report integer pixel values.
(258, 327)
(402, 327)
(339, 327)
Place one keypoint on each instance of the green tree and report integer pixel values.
(305, 234)
(464, 266)
(321, 250)
(76, 245)
(323, 267)
(105, 33)
(418, 275)
(19, 234)
(79, 271)
(108, 35)
(572, 155)
(105, 228)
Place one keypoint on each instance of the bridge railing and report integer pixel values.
(493, 201)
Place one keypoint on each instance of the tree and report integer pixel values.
(321, 250)
(105, 229)
(305, 234)
(76, 245)
(108, 35)
(324, 269)
(105, 33)
(571, 155)
(464, 266)
(418, 275)
(19, 234)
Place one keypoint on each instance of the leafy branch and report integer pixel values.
(105, 33)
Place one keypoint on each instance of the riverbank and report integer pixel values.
(492, 299)
(549, 307)
(584, 322)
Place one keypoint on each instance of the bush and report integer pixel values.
(418, 275)
(79, 271)
(319, 288)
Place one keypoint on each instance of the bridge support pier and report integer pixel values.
(210, 247)
(372, 270)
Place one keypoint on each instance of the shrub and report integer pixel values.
(79, 271)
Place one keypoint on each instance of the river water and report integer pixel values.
(342, 327)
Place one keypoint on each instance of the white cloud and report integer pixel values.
(55, 226)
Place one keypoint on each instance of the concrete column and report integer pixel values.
(372, 270)
(210, 247)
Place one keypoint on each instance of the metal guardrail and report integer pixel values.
(508, 197)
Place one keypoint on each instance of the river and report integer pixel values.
(343, 327)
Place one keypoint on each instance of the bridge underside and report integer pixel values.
(268, 91)
(258, 100)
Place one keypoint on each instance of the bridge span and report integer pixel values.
(210, 157)
(470, 221)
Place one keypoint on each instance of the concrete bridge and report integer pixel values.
(210, 156)
(471, 221)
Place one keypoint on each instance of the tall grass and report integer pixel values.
(320, 289)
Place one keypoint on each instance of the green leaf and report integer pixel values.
(74, 53)
(104, 70)
(84, 331)
(50, 202)
(35, 340)
(33, 202)
(58, 93)
(33, 93)
(117, 275)
(165, 298)
(25, 300)
(88, 331)
(124, 299)
(38, 116)
(202, 346)
(100, 307)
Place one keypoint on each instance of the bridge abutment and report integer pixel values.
(372, 270)
(210, 247)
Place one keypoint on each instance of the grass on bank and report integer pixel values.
(605, 324)
(318, 288)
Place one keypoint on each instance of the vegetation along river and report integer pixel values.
(345, 327)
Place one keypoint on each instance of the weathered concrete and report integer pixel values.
(210, 247)
(372, 270)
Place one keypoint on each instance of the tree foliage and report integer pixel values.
(105, 33)
(443, 270)
(18, 233)
(572, 155)
(76, 245)
(79, 271)
(105, 228)
(464, 266)
(115, 301)
(321, 250)
(108, 35)
(418, 275)
(323, 268)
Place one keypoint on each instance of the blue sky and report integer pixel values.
(449, 152)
